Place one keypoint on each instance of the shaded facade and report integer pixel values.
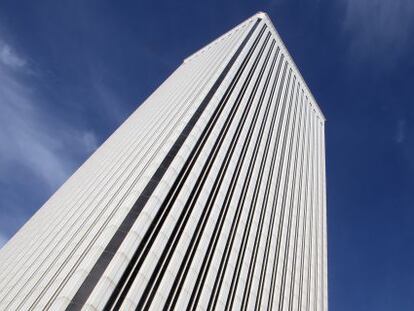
(211, 195)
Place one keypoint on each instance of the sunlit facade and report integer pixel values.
(211, 195)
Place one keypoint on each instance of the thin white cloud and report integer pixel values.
(89, 141)
(379, 29)
(30, 137)
(107, 99)
(400, 132)
(36, 141)
(9, 58)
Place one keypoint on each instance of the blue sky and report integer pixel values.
(72, 71)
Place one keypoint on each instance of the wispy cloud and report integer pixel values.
(107, 99)
(400, 132)
(35, 143)
(379, 28)
(9, 58)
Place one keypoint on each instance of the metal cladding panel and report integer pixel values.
(211, 195)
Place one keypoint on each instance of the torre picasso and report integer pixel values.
(211, 195)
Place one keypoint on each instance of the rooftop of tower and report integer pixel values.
(265, 17)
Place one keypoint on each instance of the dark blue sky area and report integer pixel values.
(72, 71)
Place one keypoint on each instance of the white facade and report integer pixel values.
(211, 195)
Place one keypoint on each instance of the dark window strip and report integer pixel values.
(315, 238)
(323, 221)
(229, 244)
(246, 294)
(303, 244)
(263, 210)
(317, 212)
(305, 222)
(267, 196)
(247, 228)
(299, 209)
(314, 228)
(156, 277)
(308, 283)
(248, 233)
(285, 208)
(285, 121)
(262, 95)
(288, 142)
(291, 205)
(151, 233)
(314, 197)
(188, 257)
(241, 203)
(103, 261)
(195, 296)
(253, 162)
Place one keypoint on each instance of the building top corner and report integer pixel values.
(265, 17)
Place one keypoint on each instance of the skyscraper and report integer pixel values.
(210, 195)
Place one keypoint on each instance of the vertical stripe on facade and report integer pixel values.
(212, 195)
